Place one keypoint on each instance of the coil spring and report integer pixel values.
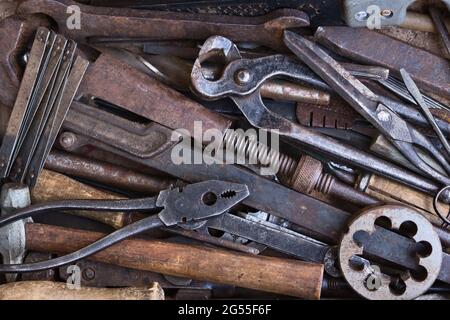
(324, 183)
(256, 152)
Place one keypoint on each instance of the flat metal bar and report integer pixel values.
(30, 76)
(273, 236)
(44, 78)
(57, 117)
(40, 118)
(441, 28)
(397, 87)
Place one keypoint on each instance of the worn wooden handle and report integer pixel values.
(282, 276)
(52, 186)
(49, 290)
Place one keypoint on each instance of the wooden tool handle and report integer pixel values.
(49, 290)
(282, 276)
(52, 186)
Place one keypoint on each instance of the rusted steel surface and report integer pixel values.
(7, 8)
(157, 25)
(286, 203)
(116, 82)
(338, 114)
(284, 276)
(364, 45)
(105, 173)
(12, 43)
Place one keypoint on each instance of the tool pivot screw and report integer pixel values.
(67, 140)
(88, 274)
(243, 76)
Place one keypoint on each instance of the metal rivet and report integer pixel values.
(88, 274)
(243, 76)
(361, 16)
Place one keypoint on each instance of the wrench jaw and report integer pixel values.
(192, 205)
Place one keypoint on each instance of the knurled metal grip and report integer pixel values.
(367, 279)
(357, 13)
(306, 174)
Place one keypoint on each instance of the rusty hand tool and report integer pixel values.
(397, 87)
(441, 28)
(49, 84)
(129, 23)
(384, 148)
(114, 81)
(315, 219)
(50, 290)
(415, 93)
(291, 171)
(11, 30)
(320, 11)
(177, 73)
(52, 186)
(189, 206)
(401, 134)
(106, 173)
(283, 276)
(428, 70)
(401, 285)
(240, 81)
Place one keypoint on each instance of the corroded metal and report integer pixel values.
(129, 23)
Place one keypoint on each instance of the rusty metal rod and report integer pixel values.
(105, 173)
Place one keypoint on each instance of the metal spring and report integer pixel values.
(256, 152)
(324, 183)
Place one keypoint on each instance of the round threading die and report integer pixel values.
(366, 279)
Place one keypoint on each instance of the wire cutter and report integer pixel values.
(241, 79)
(188, 207)
(399, 132)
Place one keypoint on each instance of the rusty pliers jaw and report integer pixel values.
(199, 201)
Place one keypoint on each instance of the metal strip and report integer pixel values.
(23, 98)
(56, 118)
(44, 77)
(40, 118)
(276, 237)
